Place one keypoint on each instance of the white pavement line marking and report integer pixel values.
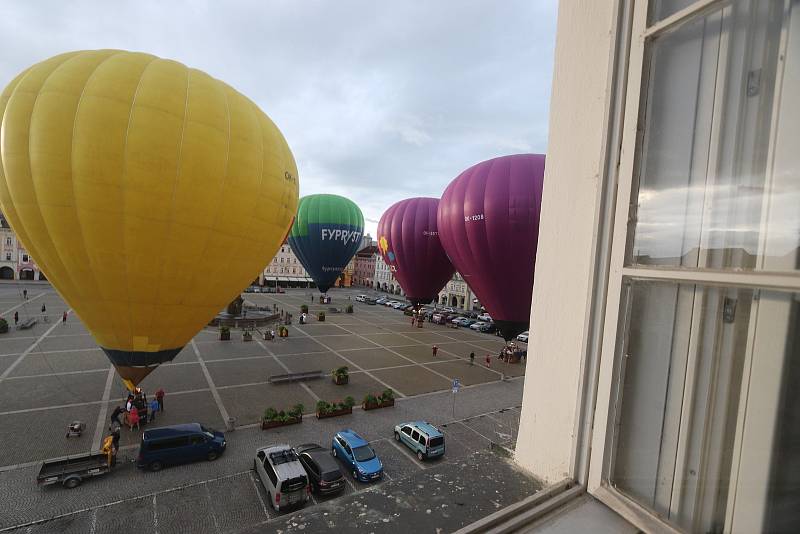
(28, 351)
(288, 371)
(211, 509)
(413, 459)
(258, 493)
(24, 302)
(155, 515)
(222, 411)
(48, 352)
(449, 379)
(62, 373)
(350, 482)
(101, 417)
(405, 365)
(94, 522)
(339, 354)
(465, 425)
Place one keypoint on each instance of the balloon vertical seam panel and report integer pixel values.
(93, 184)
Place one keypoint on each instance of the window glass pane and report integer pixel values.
(661, 9)
(719, 172)
(698, 424)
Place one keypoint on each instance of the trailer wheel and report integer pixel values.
(72, 482)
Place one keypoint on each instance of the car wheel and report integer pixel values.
(420, 456)
(355, 474)
(212, 455)
(397, 436)
(156, 466)
(72, 482)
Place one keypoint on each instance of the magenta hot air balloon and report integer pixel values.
(489, 226)
(408, 240)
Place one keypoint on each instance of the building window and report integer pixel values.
(8, 241)
(703, 308)
(8, 256)
(25, 258)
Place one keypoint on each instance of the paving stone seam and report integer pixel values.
(52, 351)
(61, 373)
(449, 379)
(28, 351)
(214, 393)
(288, 371)
(101, 417)
(153, 494)
(258, 493)
(24, 302)
(397, 391)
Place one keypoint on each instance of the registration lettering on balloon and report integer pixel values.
(478, 217)
(409, 244)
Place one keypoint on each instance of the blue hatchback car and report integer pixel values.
(355, 452)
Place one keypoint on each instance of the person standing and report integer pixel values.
(115, 439)
(25, 294)
(160, 399)
(154, 407)
(435, 350)
(44, 312)
(472, 358)
(115, 415)
(488, 360)
(133, 418)
(412, 321)
(64, 317)
(16, 318)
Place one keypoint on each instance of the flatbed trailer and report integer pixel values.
(72, 470)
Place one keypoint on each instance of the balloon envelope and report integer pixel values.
(408, 240)
(149, 193)
(325, 236)
(489, 226)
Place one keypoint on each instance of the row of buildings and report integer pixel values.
(367, 269)
(15, 262)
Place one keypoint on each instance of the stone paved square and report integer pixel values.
(61, 362)
(413, 382)
(247, 403)
(345, 341)
(466, 373)
(359, 385)
(325, 362)
(375, 358)
(244, 371)
(37, 392)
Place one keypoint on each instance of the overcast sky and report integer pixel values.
(379, 101)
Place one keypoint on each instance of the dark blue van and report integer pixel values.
(179, 444)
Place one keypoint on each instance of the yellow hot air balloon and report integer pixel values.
(148, 192)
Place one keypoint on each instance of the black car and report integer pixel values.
(323, 470)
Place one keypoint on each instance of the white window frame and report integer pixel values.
(594, 449)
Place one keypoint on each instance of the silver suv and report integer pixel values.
(283, 476)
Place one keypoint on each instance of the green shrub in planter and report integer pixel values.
(349, 401)
(369, 398)
(321, 316)
(349, 308)
(387, 395)
(304, 308)
(297, 410)
(323, 406)
(224, 333)
(3, 326)
(270, 414)
(340, 375)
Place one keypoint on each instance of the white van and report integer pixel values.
(283, 476)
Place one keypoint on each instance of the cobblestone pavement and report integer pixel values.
(53, 373)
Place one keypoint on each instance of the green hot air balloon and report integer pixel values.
(325, 236)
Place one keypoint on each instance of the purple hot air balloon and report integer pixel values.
(489, 226)
(408, 240)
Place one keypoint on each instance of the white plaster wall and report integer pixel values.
(565, 258)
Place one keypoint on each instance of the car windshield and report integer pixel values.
(362, 454)
(207, 431)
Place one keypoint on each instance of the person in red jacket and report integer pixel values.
(160, 399)
(133, 418)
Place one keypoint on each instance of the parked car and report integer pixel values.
(523, 337)
(361, 298)
(488, 327)
(456, 320)
(467, 322)
(370, 301)
(389, 303)
(424, 439)
(282, 475)
(323, 471)
(177, 444)
(356, 453)
(256, 289)
(438, 318)
(409, 307)
(477, 326)
(248, 289)
(398, 305)
(381, 300)
(485, 317)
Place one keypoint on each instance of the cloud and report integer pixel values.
(379, 102)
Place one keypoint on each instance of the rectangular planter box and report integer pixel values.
(335, 413)
(225, 336)
(340, 381)
(266, 425)
(377, 405)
